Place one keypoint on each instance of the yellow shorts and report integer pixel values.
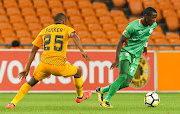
(44, 70)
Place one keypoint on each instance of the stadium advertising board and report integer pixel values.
(95, 73)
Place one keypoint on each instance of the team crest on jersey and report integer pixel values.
(141, 76)
(151, 30)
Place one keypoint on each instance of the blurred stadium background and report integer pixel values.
(99, 23)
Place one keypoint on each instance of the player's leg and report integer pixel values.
(131, 72)
(72, 70)
(22, 92)
(78, 82)
(124, 66)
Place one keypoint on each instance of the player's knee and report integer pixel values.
(32, 81)
(78, 74)
(123, 76)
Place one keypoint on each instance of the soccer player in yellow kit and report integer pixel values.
(53, 59)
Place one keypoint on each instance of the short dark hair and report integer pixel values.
(15, 43)
(59, 17)
(148, 11)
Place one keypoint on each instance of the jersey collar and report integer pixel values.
(140, 21)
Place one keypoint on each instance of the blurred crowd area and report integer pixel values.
(97, 22)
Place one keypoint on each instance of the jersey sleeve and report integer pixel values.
(38, 41)
(128, 31)
(70, 30)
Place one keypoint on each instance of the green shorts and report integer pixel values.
(133, 60)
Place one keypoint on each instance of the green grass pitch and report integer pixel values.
(63, 103)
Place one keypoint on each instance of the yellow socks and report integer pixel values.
(22, 92)
(78, 82)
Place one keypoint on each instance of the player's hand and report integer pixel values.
(115, 65)
(145, 50)
(85, 56)
(23, 74)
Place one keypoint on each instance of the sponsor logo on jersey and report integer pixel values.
(142, 74)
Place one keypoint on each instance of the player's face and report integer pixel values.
(151, 19)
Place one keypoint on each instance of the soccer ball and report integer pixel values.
(151, 99)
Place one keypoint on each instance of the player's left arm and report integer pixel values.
(77, 42)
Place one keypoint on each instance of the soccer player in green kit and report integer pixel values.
(127, 58)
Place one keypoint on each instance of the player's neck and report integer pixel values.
(144, 22)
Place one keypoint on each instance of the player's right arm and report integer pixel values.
(36, 45)
(118, 50)
(126, 34)
(77, 41)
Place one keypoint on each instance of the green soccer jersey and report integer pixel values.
(138, 35)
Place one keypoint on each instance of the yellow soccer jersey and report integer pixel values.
(55, 39)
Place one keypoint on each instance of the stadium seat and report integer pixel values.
(34, 26)
(102, 41)
(113, 34)
(4, 18)
(87, 41)
(31, 19)
(46, 24)
(115, 13)
(169, 12)
(157, 35)
(46, 19)
(10, 3)
(80, 27)
(4, 26)
(69, 4)
(172, 35)
(148, 3)
(150, 41)
(165, 5)
(174, 41)
(84, 4)
(165, 48)
(102, 12)
(43, 11)
(136, 7)
(54, 3)
(159, 16)
(23, 33)
(161, 41)
(120, 20)
(176, 48)
(105, 20)
(132, 19)
(109, 27)
(87, 12)
(99, 5)
(13, 11)
(76, 20)
(26, 40)
(176, 5)
(57, 10)
(35, 33)
(19, 26)
(8, 33)
(2, 10)
(9, 40)
(84, 34)
(121, 27)
(73, 12)
(91, 20)
(156, 48)
(16, 19)
(114, 40)
(39, 3)
(158, 29)
(28, 11)
(119, 3)
(98, 35)
(94, 27)
(172, 23)
(25, 3)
